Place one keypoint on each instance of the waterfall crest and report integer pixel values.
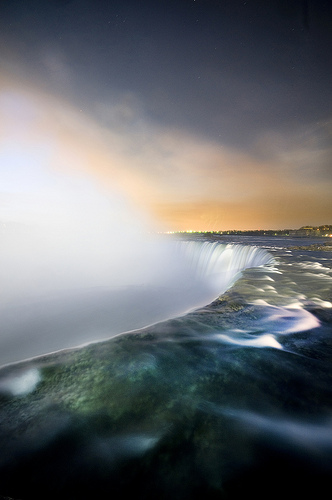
(183, 277)
(219, 265)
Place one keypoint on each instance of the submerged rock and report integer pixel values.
(325, 247)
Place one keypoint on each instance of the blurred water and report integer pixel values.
(233, 398)
(175, 277)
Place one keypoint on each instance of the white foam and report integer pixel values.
(322, 303)
(21, 385)
(313, 265)
(129, 445)
(260, 302)
(294, 318)
(266, 340)
(270, 288)
(313, 436)
(288, 319)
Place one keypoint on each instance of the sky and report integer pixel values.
(201, 114)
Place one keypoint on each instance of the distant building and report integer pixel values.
(312, 231)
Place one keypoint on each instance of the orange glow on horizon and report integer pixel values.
(180, 181)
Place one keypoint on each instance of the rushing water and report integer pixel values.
(234, 397)
(185, 276)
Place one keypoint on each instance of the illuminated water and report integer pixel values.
(232, 398)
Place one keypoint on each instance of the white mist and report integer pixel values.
(78, 261)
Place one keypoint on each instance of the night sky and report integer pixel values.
(205, 114)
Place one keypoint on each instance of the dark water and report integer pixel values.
(233, 398)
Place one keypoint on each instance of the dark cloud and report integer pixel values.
(225, 69)
(251, 76)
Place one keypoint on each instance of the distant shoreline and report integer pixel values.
(325, 246)
(303, 232)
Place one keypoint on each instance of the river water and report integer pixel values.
(234, 397)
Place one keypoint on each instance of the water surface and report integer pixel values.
(230, 399)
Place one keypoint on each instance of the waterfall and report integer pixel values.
(185, 276)
(219, 265)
